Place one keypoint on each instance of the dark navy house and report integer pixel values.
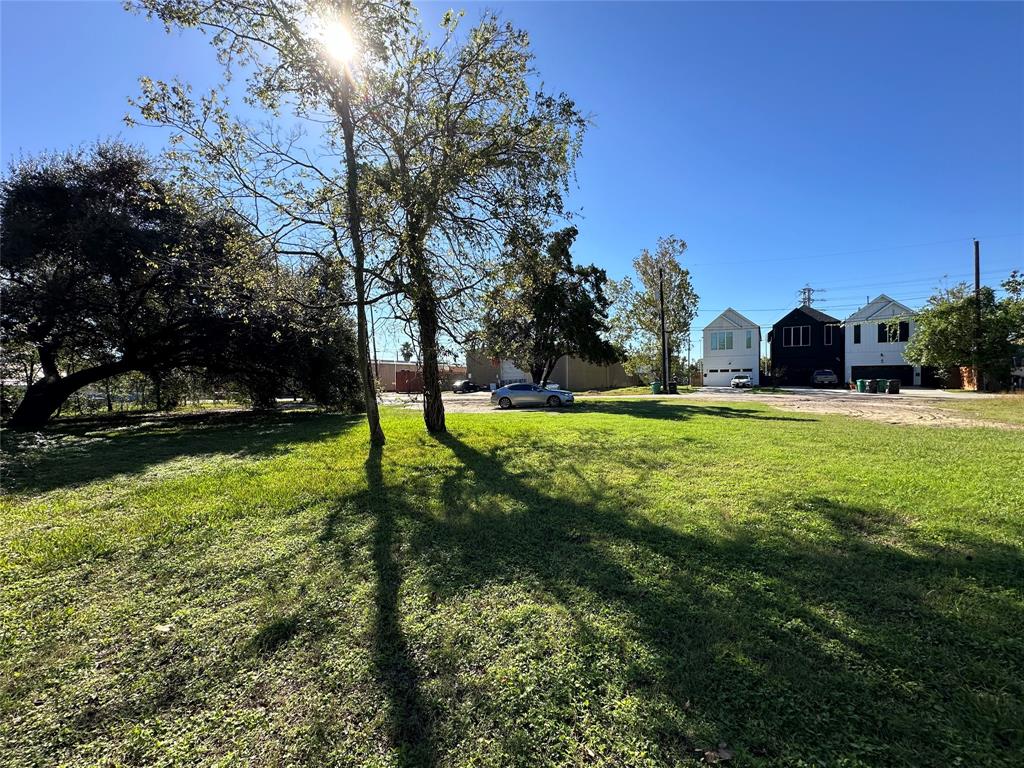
(805, 341)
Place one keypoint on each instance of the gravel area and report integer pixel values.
(910, 407)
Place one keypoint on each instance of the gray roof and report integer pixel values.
(819, 315)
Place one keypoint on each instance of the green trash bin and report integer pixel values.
(862, 385)
(883, 384)
(655, 387)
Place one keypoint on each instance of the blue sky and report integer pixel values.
(854, 146)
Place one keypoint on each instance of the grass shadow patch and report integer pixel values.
(659, 409)
(274, 634)
(67, 456)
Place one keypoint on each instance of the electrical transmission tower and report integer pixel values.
(806, 295)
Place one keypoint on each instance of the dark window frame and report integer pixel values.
(889, 335)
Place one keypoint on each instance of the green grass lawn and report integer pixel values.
(1005, 408)
(623, 584)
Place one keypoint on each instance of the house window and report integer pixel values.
(890, 334)
(796, 336)
(856, 334)
(721, 340)
(750, 339)
(828, 335)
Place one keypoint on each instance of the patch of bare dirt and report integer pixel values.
(900, 409)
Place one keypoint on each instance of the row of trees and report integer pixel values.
(409, 160)
(108, 269)
(389, 166)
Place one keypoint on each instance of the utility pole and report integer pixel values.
(977, 312)
(664, 335)
(688, 348)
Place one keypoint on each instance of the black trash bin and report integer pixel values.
(873, 386)
(893, 388)
(673, 387)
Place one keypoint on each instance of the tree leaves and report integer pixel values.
(636, 322)
(545, 306)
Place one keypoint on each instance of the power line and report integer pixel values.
(945, 276)
(881, 249)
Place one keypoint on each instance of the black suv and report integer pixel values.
(461, 386)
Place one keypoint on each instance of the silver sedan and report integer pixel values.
(530, 394)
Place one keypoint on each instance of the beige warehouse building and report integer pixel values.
(569, 372)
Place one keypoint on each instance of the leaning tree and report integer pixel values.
(107, 264)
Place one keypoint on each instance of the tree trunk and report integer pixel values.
(44, 397)
(157, 393)
(537, 370)
(549, 367)
(541, 369)
(359, 277)
(425, 306)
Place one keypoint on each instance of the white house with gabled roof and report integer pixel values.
(875, 345)
(732, 345)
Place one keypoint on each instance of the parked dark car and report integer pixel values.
(462, 386)
(824, 377)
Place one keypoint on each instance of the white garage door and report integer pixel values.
(718, 377)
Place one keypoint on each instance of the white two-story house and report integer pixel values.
(732, 344)
(875, 343)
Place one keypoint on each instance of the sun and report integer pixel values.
(337, 40)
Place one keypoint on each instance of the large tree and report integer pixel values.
(451, 150)
(636, 320)
(544, 306)
(947, 334)
(311, 57)
(295, 338)
(104, 260)
(466, 153)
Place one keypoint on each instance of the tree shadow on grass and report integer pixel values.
(656, 409)
(70, 456)
(409, 721)
(787, 645)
